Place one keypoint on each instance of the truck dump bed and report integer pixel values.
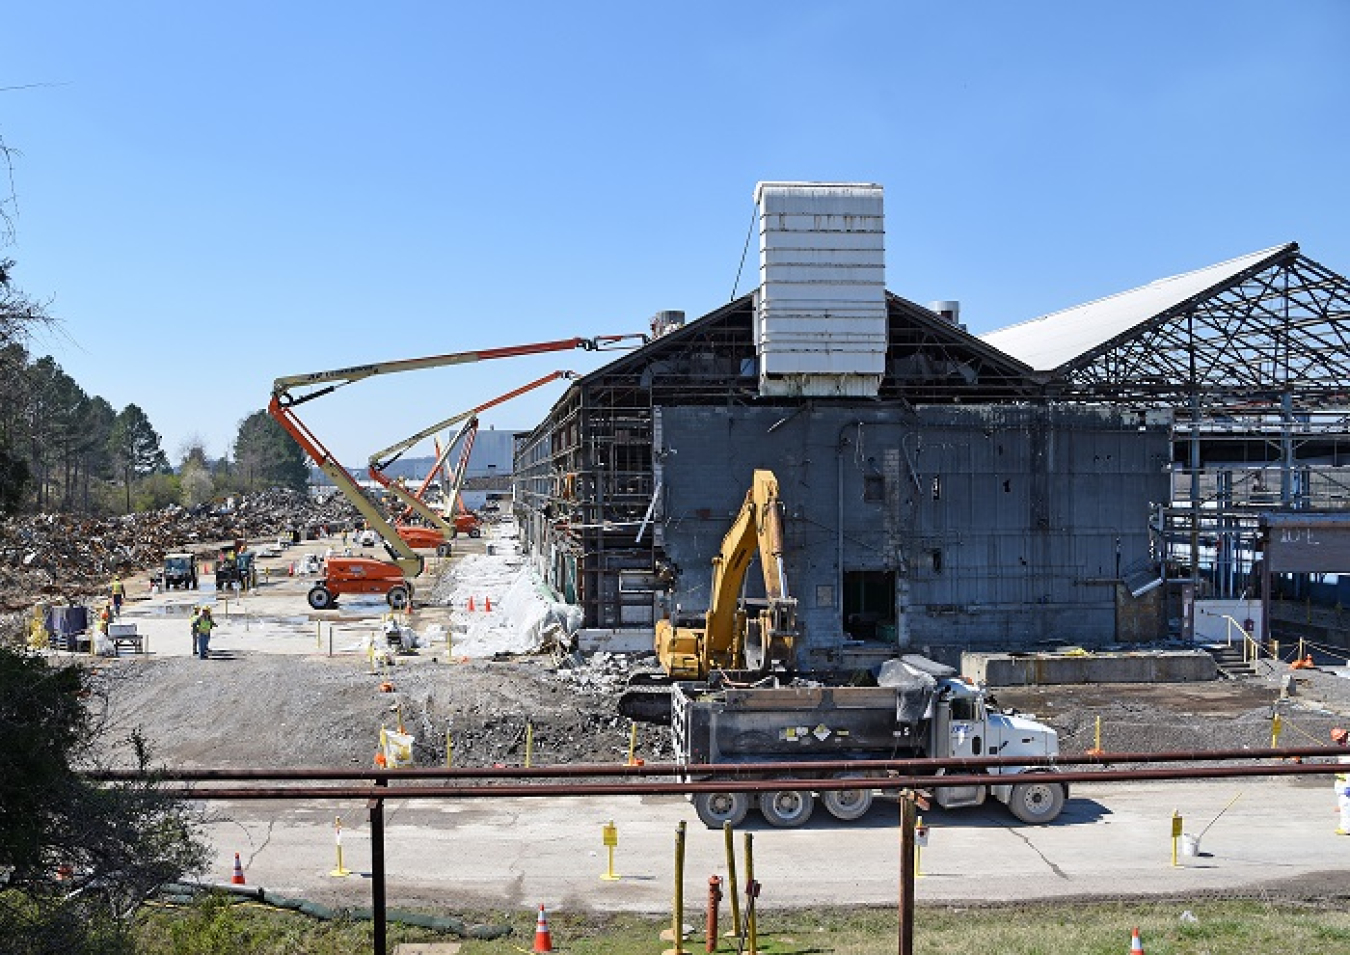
(798, 722)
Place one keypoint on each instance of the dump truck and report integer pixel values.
(919, 709)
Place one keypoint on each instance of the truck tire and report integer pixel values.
(847, 804)
(716, 809)
(786, 808)
(321, 598)
(397, 597)
(443, 550)
(1037, 803)
(475, 533)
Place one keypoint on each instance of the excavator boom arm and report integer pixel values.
(757, 529)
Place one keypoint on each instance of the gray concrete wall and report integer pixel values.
(1004, 526)
(1036, 669)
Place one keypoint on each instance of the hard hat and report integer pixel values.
(1338, 735)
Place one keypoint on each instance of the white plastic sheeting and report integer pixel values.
(524, 617)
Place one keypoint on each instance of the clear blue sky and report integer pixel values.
(215, 195)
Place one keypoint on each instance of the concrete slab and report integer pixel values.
(1038, 669)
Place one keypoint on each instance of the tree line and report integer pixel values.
(62, 449)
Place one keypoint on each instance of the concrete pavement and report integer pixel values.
(1113, 839)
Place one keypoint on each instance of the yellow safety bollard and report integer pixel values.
(611, 841)
(449, 747)
(341, 871)
(529, 743)
(318, 635)
(1176, 833)
(732, 886)
(751, 893)
(1275, 729)
(632, 744)
(677, 916)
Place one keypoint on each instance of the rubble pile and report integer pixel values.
(601, 674)
(70, 555)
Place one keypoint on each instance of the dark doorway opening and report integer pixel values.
(869, 605)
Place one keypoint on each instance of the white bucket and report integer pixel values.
(1190, 845)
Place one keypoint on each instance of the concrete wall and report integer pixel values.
(1037, 669)
(1004, 527)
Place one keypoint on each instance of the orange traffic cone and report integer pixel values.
(543, 939)
(487, 605)
(470, 605)
(1135, 944)
(238, 877)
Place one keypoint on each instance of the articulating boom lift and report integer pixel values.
(362, 575)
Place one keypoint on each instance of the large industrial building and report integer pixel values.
(1046, 484)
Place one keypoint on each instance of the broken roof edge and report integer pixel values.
(1225, 273)
(958, 332)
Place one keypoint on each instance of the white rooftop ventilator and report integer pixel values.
(820, 309)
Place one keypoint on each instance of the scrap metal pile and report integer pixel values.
(69, 555)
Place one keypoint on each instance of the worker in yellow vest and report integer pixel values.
(119, 592)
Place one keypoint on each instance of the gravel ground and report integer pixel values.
(265, 711)
(294, 711)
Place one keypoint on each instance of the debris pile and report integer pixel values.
(69, 555)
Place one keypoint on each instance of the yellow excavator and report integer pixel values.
(742, 637)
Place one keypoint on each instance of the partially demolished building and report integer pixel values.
(943, 492)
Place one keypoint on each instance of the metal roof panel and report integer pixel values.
(1050, 341)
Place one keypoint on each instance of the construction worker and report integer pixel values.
(1341, 781)
(192, 623)
(119, 591)
(204, 627)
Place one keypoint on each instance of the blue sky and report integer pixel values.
(212, 195)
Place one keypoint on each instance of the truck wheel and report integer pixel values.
(397, 597)
(847, 804)
(786, 808)
(443, 550)
(716, 809)
(320, 598)
(475, 533)
(1037, 803)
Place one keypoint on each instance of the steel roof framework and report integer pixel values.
(1280, 328)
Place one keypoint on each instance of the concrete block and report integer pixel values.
(614, 641)
(1044, 669)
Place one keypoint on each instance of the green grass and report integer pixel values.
(216, 927)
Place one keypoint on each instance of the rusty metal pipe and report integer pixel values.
(743, 785)
(714, 899)
(724, 769)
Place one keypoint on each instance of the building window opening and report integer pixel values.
(869, 605)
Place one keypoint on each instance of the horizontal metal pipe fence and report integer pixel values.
(733, 770)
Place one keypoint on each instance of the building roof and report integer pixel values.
(1052, 341)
